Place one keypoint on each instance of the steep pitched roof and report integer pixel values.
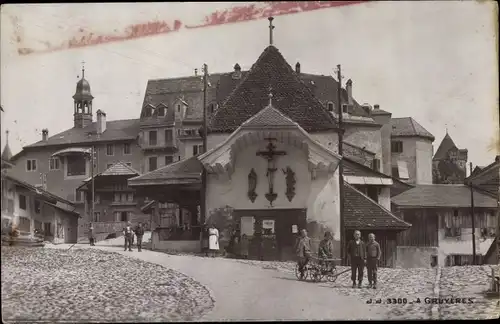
(446, 145)
(442, 195)
(116, 130)
(408, 127)
(290, 95)
(119, 169)
(188, 169)
(361, 212)
(269, 117)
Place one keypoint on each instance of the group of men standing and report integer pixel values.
(359, 254)
(128, 234)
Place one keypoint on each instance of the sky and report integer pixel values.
(433, 61)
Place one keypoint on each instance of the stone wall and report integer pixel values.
(416, 257)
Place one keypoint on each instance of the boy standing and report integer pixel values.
(373, 253)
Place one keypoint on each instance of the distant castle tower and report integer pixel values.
(449, 164)
(83, 103)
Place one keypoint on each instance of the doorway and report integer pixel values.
(274, 232)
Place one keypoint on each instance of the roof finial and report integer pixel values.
(7, 136)
(270, 96)
(83, 69)
(271, 27)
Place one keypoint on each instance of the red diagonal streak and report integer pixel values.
(227, 16)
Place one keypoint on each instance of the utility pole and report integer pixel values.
(341, 167)
(472, 214)
(205, 148)
(92, 161)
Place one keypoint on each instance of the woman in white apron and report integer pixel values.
(213, 240)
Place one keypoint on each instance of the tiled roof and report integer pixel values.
(354, 168)
(408, 127)
(290, 96)
(166, 91)
(361, 212)
(446, 145)
(442, 195)
(190, 168)
(116, 130)
(119, 169)
(39, 191)
(325, 88)
(269, 117)
(190, 89)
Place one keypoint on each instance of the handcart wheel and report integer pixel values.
(332, 276)
(316, 275)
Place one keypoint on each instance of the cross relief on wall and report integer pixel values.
(271, 154)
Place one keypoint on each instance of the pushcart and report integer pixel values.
(318, 268)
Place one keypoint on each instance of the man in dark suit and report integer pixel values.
(139, 232)
(356, 250)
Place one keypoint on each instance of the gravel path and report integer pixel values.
(467, 282)
(243, 292)
(393, 284)
(90, 285)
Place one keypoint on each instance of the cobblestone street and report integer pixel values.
(467, 282)
(459, 282)
(89, 285)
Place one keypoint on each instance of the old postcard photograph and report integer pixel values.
(250, 161)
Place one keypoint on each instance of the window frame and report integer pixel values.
(171, 159)
(155, 137)
(30, 163)
(54, 163)
(25, 200)
(149, 163)
(38, 206)
(332, 105)
(112, 146)
(129, 149)
(169, 138)
(67, 168)
(398, 145)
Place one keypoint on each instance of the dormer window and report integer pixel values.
(178, 108)
(331, 106)
(161, 112)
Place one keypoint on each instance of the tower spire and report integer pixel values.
(83, 69)
(7, 153)
(271, 27)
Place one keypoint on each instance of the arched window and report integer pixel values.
(331, 106)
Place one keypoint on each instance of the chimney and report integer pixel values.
(101, 121)
(297, 67)
(367, 108)
(237, 72)
(376, 107)
(348, 87)
(45, 134)
(195, 72)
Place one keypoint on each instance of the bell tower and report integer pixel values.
(82, 102)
